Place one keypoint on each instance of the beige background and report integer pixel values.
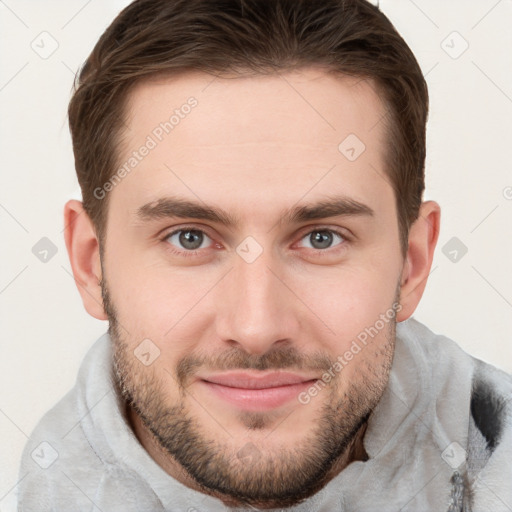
(45, 330)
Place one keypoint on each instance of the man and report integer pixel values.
(252, 227)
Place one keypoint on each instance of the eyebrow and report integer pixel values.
(173, 207)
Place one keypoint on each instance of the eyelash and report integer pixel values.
(196, 252)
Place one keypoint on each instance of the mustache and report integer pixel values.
(282, 358)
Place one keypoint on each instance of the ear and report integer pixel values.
(423, 236)
(84, 255)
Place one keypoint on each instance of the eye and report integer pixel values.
(321, 239)
(188, 239)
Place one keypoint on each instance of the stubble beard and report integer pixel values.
(250, 474)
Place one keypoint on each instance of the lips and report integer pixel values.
(256, 391)
(255, 381)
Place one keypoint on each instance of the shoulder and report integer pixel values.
(58, 457)
(451, 369)
(55, 451)
(491, 402)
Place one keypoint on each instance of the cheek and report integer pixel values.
(350, 298)
(164, 305)
(357, 295)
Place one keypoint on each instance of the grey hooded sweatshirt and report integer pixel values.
(439, 440)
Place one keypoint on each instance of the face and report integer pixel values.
(251, 274)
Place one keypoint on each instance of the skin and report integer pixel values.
(255, 147)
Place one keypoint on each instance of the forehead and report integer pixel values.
(257, 139)
(314, 103)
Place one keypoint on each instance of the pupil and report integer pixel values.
(189, 239)
(321, 239)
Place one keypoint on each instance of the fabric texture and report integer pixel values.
(440, 439)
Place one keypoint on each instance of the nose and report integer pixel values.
(256, 307)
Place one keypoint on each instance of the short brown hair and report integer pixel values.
(151, 37)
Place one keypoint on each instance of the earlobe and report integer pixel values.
(84, 255)
(423, 237)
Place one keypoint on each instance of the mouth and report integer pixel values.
(256, 391)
